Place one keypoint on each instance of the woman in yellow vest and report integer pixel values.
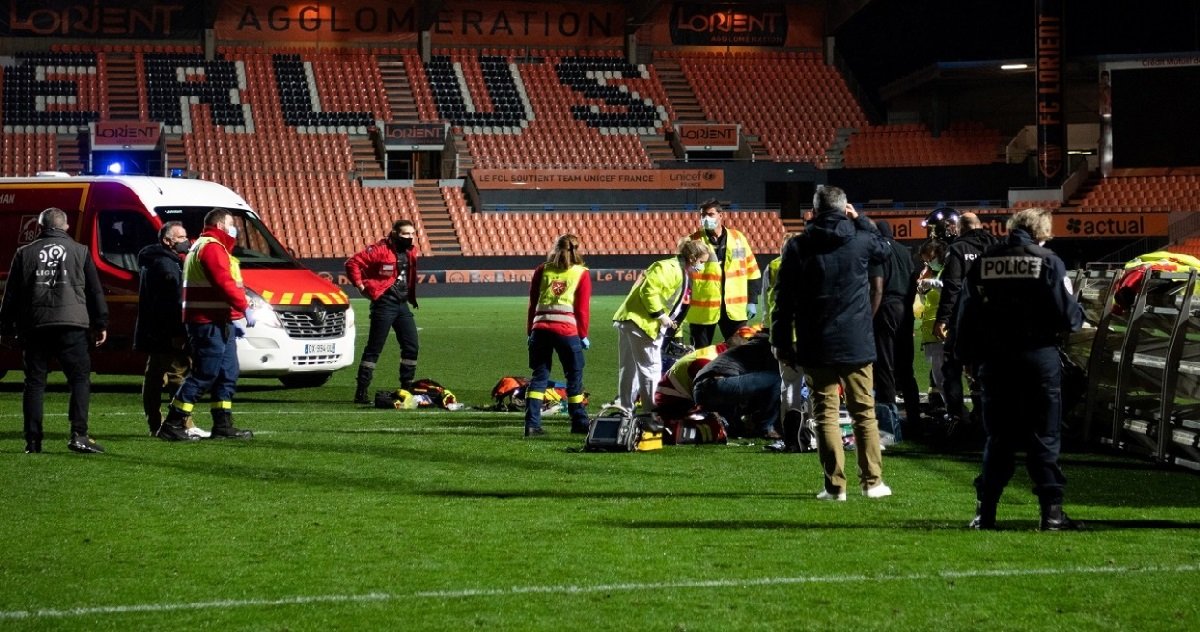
(929, 292)
(560, 295)
(652, 311)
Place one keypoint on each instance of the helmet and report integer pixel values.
(942, 223)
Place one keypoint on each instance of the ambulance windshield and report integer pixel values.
(256, 246)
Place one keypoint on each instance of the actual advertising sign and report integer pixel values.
(115, 135)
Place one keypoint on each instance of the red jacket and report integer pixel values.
(212, 289)
(375, 269)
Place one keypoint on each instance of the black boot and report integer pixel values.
(154, 421)
(223, 427)
(985, 516)
(1055, 519)
(173, 427)
(360, 393)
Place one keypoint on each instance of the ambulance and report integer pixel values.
(305, 330)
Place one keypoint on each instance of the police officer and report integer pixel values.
(1016, 305)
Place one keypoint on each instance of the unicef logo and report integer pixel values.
(52, 255)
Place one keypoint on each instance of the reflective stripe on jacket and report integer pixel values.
(707, 291)
(212, 282)
(555, 307)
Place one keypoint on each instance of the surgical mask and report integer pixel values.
(402, 243)
(182, 247)
(708, 222)
(936, 266)
(231, 230)
(696, 267)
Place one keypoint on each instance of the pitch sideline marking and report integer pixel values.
(48, 613)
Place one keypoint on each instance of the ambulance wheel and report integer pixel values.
(305, 380)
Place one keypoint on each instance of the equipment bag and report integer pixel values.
(614, 429)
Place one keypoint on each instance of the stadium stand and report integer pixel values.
(1124, 192)
(912, 145)
(799, 123)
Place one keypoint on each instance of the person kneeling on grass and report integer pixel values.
(742, 385)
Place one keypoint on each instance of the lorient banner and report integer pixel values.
(129, 19)
(707, 136)
(642, 179)
(139, 135)
(408, 135)
(731, 24)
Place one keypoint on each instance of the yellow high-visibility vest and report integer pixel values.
(707, 292)
(556, 299)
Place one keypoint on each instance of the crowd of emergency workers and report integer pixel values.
(823, 369)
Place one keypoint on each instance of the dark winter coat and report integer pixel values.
(823, 295)
(159, 327)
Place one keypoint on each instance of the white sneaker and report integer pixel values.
(879, 491)
(198, 432)
(825, 495)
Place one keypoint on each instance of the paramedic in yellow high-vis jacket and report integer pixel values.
(649, 314)
(725, 292)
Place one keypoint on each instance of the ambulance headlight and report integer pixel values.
(349, 316)
(264, 312)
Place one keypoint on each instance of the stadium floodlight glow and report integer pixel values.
(115, 168)
(1013, 66)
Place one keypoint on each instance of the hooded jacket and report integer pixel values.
(822, 293)
(159, 327)
(960, 256)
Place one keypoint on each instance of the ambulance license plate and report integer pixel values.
(327, 347)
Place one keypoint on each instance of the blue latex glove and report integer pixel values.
(751, 311)
(239, 328)
(251, 318)
(587, 344)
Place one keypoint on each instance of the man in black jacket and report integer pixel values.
(742, 382)
(52, 299)
(961, 255)
(896, 274)
(159, 331)
(822, 324)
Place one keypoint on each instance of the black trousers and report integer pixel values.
(390, 314)
(68, 345)
(702, 335)
(887, 327)
(906, 380)
(1022, 411)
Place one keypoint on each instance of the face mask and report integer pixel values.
(708, 223)
(182, 247)
(231, 230)
(402, 243)
(936, 266)
(696, 267)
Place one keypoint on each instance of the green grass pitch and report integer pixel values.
(340, 517)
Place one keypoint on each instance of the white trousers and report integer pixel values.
(639, 365)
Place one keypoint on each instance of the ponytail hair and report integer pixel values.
(565, 253)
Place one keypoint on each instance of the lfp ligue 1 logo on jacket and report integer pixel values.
(51, 257)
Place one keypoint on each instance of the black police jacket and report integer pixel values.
(1015, 299)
